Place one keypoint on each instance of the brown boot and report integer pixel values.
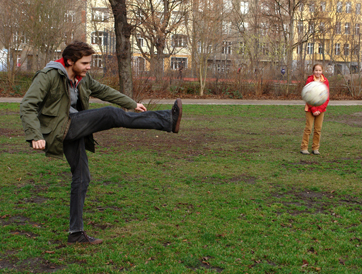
(82, 238)
(176, 112)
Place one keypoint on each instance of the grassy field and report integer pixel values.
(229, 194)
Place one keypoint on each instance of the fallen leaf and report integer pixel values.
(305, 263)
(341, 261)
(50, 252)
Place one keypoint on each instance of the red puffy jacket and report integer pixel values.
(323, 107)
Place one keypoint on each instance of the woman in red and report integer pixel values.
(314, 114)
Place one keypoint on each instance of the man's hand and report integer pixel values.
(38, 145)
(316, 113)
(141, 108)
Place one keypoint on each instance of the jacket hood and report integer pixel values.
(59, 64)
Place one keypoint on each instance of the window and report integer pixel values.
(312, 7)
(310, 48)
(322, 7)
(19, 38)
(356, 29)
(179, 41)
(226, 47)
(348, 7)
(97, 61)
(202, 48)
(347, 28)
(356, 50)
(346, 49)
(68, 37)
(140, 41)
(226, 27)
(339, 7)
(243, 26)
(69, 16)
(241, 48)
(299, 49)
(311, 28)
(228, 5)
(337, 48)
(264, 8)
(320, 48)
(300, 26)
(205, 5)
(100, 38)
(264, 48)
(263, 29)
(244, 7)
(139, 64)
(321, 27)
(338, 27)
(301, 7)
(100, 14)
(358, 8)
(176, 63)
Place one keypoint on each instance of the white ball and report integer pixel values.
(315, 93)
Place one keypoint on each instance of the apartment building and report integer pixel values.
(37, 33)
(227, 35)
(334, 38)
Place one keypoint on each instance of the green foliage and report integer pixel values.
(229, 194)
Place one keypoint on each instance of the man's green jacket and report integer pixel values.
(44, 110)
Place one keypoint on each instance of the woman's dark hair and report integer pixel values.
(317, 65)
(76, 51)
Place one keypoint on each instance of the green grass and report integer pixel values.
(229, 194)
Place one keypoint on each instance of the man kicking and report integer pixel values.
(56, 119)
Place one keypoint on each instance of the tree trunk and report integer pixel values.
(203, 74)
(123, 46)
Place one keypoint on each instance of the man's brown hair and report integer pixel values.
(76, 51)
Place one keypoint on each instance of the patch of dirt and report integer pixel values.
(206, 265)
(27, 234)
(160, 142)
(17, 220)
(353, 120)
(244, 178)
(11, 132)
(31, 265)
(315, 202)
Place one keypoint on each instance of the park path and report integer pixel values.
(218, 102)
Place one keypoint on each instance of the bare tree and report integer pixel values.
(12, 36)
(123, 31)
(160, 23)
(50, 23)
(208, 34)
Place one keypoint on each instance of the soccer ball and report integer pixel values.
(315, 93)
